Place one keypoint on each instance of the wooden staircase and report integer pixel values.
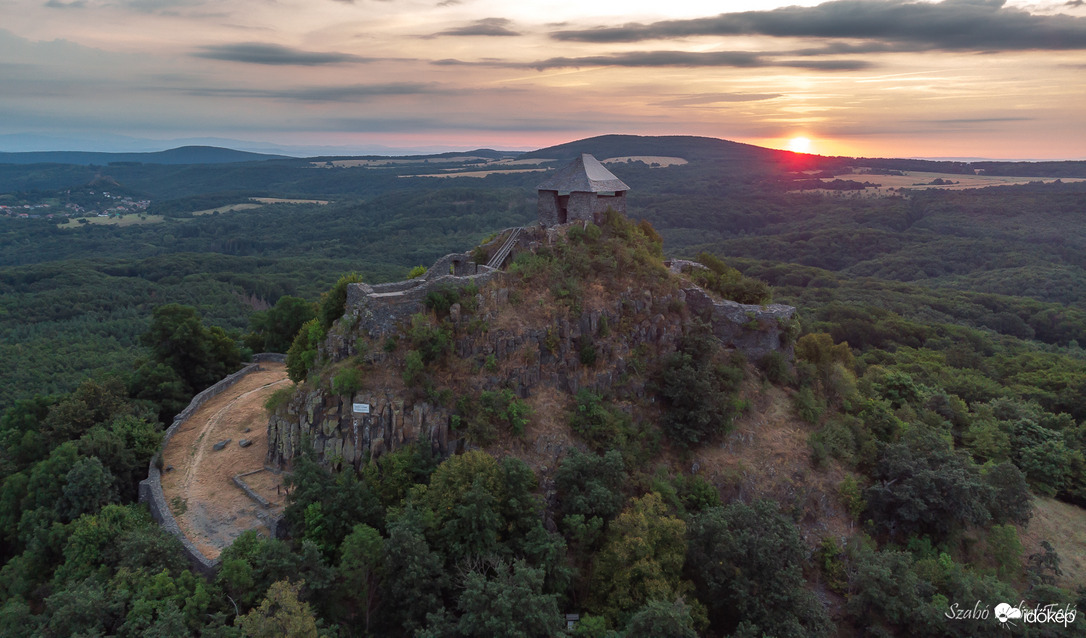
(503, 253)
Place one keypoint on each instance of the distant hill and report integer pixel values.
(182, 155)
(685, 146)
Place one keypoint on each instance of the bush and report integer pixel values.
(776, 368)
(347, 381)
(278, 399)
(417, 271)
(302, 355)
(332, 303)
(699, 394)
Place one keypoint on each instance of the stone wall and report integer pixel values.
(150, 491)
(754, 330)
(379, 311)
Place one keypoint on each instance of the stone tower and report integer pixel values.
(580, 191)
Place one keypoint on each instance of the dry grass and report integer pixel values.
(921, 181)
(1063, 525)
(280, 200)
(225, 209)
(767, 456)
(217, 511)
(454, 173)
(123, 220)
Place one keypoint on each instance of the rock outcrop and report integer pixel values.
(500, 342)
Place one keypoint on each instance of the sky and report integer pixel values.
(886, 78)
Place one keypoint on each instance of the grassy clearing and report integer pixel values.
(125, 220)
(480, 173)
(1063, 525)
(279, 200)
(922, 181)
(227, 209)
(661, 160)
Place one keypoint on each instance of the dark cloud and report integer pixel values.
(348, 93)
(1074, 3)
(951, 25)
(740, 59)
(273, 54)
(486, 27)
(75, 4)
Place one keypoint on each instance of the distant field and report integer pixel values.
(277, 200)
(125, 220)
(452, 173)
(226, 209)
(922, 181)
(648, 159)
(383, 162)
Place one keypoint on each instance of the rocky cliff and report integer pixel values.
(576, 309)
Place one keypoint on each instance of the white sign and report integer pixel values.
(362, 408)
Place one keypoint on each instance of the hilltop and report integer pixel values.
(181, 155)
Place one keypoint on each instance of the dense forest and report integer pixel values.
(939, 375)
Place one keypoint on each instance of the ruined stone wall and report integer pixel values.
(381, 313)
(548, 208)
(150, 490)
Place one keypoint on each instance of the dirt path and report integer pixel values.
(210, 508)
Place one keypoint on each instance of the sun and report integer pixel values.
(799, 145)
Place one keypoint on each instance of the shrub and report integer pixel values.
(347, 381)
(776, 369)
(302, 355)
(432, 342)
(413, 367)
(278, 399)
(417, 271)
(332, 303)
(700, 395)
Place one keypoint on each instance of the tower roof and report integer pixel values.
(583, 175)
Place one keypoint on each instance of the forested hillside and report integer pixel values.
(912, 459)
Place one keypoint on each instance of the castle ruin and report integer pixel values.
(580, 191)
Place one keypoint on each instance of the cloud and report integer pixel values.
(740, 59)
(484, 27)
(75, 4)
(1074, 3)
(696, 99)
(273, 54)
(346, 93)
(951, 25)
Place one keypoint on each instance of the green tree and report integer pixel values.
(746, 561)
(87, 487)
(360, 563)
(280, 615)
(659, 619)
(641, 560)
(200, 355)
(273, 330)
(699, 394)
(508, 600)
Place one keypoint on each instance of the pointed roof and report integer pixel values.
(584, 175)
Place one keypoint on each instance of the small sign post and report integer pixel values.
(362, 408)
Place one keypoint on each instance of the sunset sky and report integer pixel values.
(958, 78)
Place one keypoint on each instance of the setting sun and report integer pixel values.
(799, 145)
